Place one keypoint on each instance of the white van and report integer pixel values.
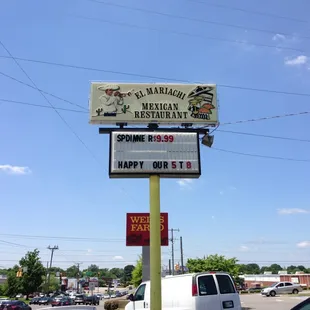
(195, 291)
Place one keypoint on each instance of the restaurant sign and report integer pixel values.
(112, 103)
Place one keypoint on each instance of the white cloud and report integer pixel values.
(292, 211)
(185, 183)
(244, 248)
(118, 257)
(297, 61)
(278, 37)
(303, 244)
(18, 170)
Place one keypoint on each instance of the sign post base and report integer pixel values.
(155, 243)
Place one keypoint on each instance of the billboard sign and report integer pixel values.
(137, 154)
(168, 104)
(138, 229)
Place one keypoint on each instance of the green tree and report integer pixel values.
(275, 268)
(128, 274)
(137, 273)
(72, 271)
(53, 286)
(13, 283)
(54, 270)
(3, 272)
(94, 269)
(291, 269)
(264, 269)
(249, 269)
(301, 268)
(34, 271)
(117, 272)
(214, 263)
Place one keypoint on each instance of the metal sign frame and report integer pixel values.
(133, 175)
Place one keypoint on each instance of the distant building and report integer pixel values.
(261, 280)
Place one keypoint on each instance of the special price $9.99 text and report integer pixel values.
(145, 138)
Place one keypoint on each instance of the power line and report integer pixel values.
(45, 92)
(48, 101)
(42, 106)
(263, 136)
(187, 34)
(126, 261)
(248, 11)
(15, 244)
(63, 238)
(194, 19)
(219, 130)
(53, 107)
(266, 118)
(261, 156)
(156, 77)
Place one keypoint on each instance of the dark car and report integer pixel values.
(15, 305)
(79, 299)
(44, 300)
(304, 305)
(92, 300)
(64, 301)
(34, 301)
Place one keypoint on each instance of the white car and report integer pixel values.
(281, 288)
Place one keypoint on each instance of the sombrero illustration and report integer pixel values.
(200, 90)
(108, 86)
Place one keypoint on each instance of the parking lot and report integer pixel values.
(258, 302)
(249, 302)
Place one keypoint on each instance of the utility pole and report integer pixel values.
(182, 261)
(172, 248)
(169, 267)
(78, 276)
(55, 247)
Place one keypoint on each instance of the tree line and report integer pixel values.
(222, 263)
(30, 276)
(33, 277)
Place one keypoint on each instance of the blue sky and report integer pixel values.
(256, 209)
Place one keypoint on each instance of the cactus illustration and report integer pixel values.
(125, 108)
(98, 111)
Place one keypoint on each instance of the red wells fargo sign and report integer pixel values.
(138, 229)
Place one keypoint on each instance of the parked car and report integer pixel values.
(254, 289)
(15, 305)
(3, 300)
(34, 300)
(281, 288)
(44, 300)
(304, 305)
(79, 299)
(92, 300)
(195, 291)
(64, 301)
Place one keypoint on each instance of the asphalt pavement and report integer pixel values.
(258, 302)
